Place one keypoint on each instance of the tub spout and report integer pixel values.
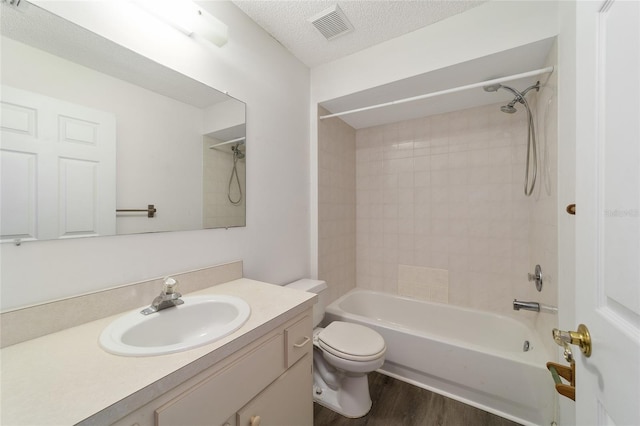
(527, 306)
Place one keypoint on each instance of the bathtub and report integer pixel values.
(472, 356)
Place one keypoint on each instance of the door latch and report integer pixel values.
(581, 338)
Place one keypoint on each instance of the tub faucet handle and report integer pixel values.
(536, 277)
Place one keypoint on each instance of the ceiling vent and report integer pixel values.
(332, 22)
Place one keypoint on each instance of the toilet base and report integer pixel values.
(351, 399)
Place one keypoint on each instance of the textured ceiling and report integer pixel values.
(374, 21)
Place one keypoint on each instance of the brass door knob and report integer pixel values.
(581, 338)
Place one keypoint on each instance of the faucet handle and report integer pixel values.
(170, 285)
(536, 277)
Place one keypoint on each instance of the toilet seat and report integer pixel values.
(352, 342)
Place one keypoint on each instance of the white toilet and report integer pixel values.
(343, 354)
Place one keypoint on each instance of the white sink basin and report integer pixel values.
(200, 320)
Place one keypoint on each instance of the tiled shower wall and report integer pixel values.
(444, 193)
(436, 210)
(336, 205)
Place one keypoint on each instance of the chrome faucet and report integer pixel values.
(534, 306)
(168, 298)
(527, 306)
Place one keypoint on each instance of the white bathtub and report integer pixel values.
(472, 356)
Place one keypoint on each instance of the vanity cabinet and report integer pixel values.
(269, 382)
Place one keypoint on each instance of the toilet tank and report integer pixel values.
(317, 287)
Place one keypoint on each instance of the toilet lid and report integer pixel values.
(351, 341)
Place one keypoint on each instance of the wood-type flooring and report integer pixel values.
(396, 403)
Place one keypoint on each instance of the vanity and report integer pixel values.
(259, 374)
(268, 383)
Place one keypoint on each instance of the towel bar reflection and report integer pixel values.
(150, 210)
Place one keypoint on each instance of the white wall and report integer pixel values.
(483, 30)
(275, 244)
(224, 116)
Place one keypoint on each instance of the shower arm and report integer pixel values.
(519, 96)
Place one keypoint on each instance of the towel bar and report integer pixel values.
(150, 210)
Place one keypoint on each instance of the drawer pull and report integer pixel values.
(304, 342)
(255, 421)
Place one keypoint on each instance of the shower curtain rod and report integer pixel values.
(239, 140)
(445, 92)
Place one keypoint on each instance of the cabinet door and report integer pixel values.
(286, 402)
(217, 397)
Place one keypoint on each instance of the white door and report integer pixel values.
(58, 168)
(608, 211)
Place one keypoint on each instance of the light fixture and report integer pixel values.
(188, 18)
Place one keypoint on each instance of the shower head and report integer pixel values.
(237, 153)
(509, 109)
(492, 87)
(519, 97)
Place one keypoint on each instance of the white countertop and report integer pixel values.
(65, 378)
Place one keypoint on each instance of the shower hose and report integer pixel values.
(234, 174)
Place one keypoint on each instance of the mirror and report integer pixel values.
(98, 140)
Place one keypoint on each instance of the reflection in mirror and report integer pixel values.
(91, 130)
(223, 153)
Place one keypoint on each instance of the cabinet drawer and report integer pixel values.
(297, 340)
(219, 396)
